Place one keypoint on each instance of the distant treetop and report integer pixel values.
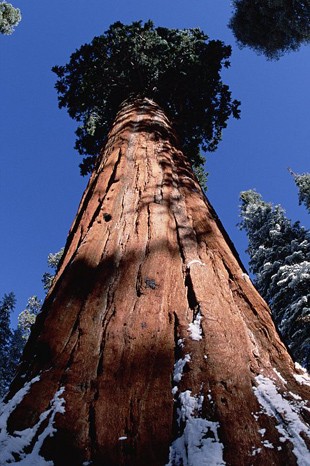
(9, 18)
(178, 69)
(271, 27)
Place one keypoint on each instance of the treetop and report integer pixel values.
(271, 27)
(178, 69)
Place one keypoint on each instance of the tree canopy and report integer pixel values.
(178, 69)
(9, 18)
(11, 343)
(271, 27)
(280, 259)
(302, 182)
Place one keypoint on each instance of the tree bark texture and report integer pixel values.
(152, 325)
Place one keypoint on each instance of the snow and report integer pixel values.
(174, 390)
(194, 261)
(290, 425)
(17, 442)
(122, 438)
(195, 329)
(256, 451)
(279, 376)
(179, 367)
(199, 443)
(303, 378)
(267, 444)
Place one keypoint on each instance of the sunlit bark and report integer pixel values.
(149, 287)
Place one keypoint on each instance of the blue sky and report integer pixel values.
(40, 185)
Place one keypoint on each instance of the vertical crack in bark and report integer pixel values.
(92, 431)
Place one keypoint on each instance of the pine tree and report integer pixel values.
(6, 307)
(27, 317)
(152, 346)
(303, 184)
(271, 27)
(53, 260)
(280, 259)
(9, 18)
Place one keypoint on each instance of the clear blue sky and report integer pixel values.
(40, 186)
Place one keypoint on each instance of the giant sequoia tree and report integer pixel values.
(152, 346)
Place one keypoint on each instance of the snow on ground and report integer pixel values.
(17, 442)
(290, 425)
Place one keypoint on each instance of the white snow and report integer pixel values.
(290, 424)
(122, 438)
(194, 261)
(195, 329)
(256, 451)
(303, 378)
(181, 342)
(199, 444)
(267, 444)
(19, 440)
(179, 367)
(280, 376)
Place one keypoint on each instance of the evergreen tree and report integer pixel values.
(17, 344)
(12, 342)
(271, 27)
(141, 60)
(280, 259)
(9, 18)
(28, 316)
(303, 184)
(6, 307)
(53, 260)
(152, 346)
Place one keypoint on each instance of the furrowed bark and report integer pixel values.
(149, 282)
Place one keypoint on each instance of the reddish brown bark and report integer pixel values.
(145, 256)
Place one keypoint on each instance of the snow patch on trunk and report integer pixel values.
(303, 378)
(194, 261)
(199, 442)
(12, 445)
(179, 367)
(194, 328)
(290, 424)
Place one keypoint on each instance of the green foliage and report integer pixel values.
(6, 308)
(201, 174)
(53, 260)
(280, 259)
(303, 184)
(9, 18)
(28, 316)
(13, 342)
(271, 27)
(178, 69)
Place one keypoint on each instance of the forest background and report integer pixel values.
(40, 185)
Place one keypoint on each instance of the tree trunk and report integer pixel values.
(153, 346)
